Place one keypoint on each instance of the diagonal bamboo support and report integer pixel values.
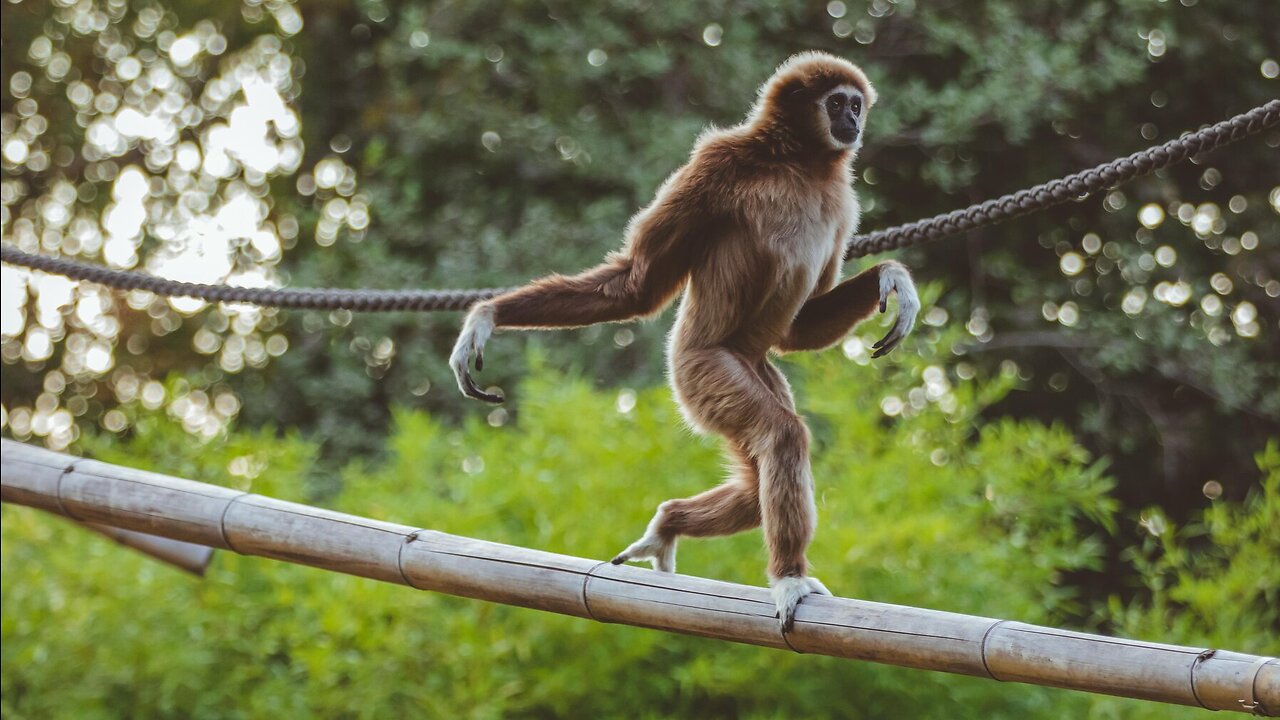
(96, 492)
(185, 556)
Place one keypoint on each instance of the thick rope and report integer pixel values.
(1071, 187)
(295, 298)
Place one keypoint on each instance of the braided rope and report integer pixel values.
(1055, 192)
(1071, 187)
(296, 298)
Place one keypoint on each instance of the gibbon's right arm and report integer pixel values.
(637, 281)
(824, 320)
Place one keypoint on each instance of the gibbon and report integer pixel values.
(752, 231)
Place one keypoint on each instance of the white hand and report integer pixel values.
(895, 279)
(471, 341)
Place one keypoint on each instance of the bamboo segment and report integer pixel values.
(907, 636)
(684, 604)
(257, 525)
(31, 475)
(155, 504)
(495, 572)
(1019, 652)
(194, 512)
(45, 470)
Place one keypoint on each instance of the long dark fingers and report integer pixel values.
(889, 342)
(893, 331)
(472, 390)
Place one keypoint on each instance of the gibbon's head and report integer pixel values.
(820, 98)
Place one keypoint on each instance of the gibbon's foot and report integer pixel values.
(789, 591)
(894, 279)
(475, 333)
(661, 553)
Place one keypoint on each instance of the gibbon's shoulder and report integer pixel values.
(726, 155)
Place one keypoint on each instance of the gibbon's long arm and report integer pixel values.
(621, 288)
(825, 319)
(637, 281)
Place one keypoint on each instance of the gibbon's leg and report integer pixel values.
(750, 404)
(781, 388)
(827, 318)
(729, 508)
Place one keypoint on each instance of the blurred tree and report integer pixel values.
(141, 137)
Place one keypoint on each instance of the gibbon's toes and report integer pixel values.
(787, 594)
(818, 588)
(662, 555)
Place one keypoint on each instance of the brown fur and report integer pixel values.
(752, 231)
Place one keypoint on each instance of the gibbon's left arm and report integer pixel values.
(824, 319)
(639, 280)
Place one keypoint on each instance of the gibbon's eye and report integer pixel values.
(834, 102)
(856, 105)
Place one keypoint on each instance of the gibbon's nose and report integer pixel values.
(847, 130)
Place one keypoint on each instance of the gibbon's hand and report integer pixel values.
(475, 333)
(895, 279)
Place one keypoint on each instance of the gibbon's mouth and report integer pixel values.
(845, 134)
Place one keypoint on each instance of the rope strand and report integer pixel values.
(1055, 192)
(292, 298)
(1071, 187)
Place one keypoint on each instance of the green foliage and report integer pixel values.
(989, 525)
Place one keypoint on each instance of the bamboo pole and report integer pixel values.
(96, 492)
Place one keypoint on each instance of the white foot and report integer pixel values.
(789, 591)
(661, 553)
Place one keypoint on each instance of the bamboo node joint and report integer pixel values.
(408, 540)
(222, 522)
(982, 648)
(586, 598)
(1195, 692)
(1253, 704)
(57, 491)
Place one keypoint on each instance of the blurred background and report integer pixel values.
(1084, 430)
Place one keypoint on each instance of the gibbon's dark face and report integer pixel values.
(843, 106)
